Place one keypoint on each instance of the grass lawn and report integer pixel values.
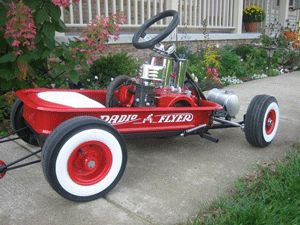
(270, 196)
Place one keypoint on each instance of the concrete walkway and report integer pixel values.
(166, 181)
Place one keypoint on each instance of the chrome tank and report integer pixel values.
(227, 99)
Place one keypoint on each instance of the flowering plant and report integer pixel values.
(94, 39)
(20, 27)
(253, 14)
(77, 55)
(63, 3)
(213, 74)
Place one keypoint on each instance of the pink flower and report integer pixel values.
(20, 27)
(212, 73)
(15, 43)
(63, 3)
(215, 72)
(95, 37)
(209, 71)
(89, 61)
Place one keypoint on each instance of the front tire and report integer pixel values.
(84, 158)
(262, 120)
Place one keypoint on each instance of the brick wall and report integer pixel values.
(195, 45)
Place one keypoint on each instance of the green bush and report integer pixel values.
(292, 59)
(231, 64)
(243, 50)
(196, 65)
(108, 67)
(256, 61)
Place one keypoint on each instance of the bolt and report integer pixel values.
(91, 164)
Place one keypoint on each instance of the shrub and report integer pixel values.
(293, 59)
(196, 65)
(108, 67)
(243, 51)
(231, 64)
(257, 61)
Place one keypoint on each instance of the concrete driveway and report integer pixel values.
(166, 180)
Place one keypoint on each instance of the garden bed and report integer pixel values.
(268, 196)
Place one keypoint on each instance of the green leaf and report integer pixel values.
(60, 26)
(2, 15)
(49, 30)
(41, 16)
(54, 11)
(49, 42)
(45, 54)
(10, 57)
(74, 76)
(6, 74)
(34, 5)
(38, 38)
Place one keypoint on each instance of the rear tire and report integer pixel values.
(111, 101)
(18, 122)
(84, 158)
(262, 120)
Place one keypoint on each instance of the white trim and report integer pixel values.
(127, 38)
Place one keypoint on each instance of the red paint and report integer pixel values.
(126, 96)
(270, 121)
(44, 116)
(3, 173)
(89, 163)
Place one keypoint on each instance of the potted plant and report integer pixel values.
(251, 16)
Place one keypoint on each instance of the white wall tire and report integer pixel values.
(84, 158)
(262, 120)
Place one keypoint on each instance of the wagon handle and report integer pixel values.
(6, 167)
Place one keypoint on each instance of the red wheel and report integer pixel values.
(3, 173)
(262, 120)
(89, 163)
(270, 121)
(84, 158)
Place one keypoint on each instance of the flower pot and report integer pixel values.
(290, 35)
(251, 27)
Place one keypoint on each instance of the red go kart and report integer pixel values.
(81, 132)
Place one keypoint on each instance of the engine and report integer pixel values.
(227, 99)
(161, 72)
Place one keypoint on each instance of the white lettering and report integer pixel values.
(162, 118)
(105, 118)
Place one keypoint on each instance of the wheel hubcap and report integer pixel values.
(270, 121)
(89, 163)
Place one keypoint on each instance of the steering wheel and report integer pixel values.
(141, 33)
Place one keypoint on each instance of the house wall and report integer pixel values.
(222, 27)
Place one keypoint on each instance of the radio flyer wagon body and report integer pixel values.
(81, 131)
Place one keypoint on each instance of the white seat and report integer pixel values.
(68, 98)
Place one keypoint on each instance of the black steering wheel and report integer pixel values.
(141, 33)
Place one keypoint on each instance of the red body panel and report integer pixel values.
(45, 116)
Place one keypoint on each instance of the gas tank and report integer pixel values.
(225, 98)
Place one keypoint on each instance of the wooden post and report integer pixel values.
(238, 16)
(283, 12)
(172, 5)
